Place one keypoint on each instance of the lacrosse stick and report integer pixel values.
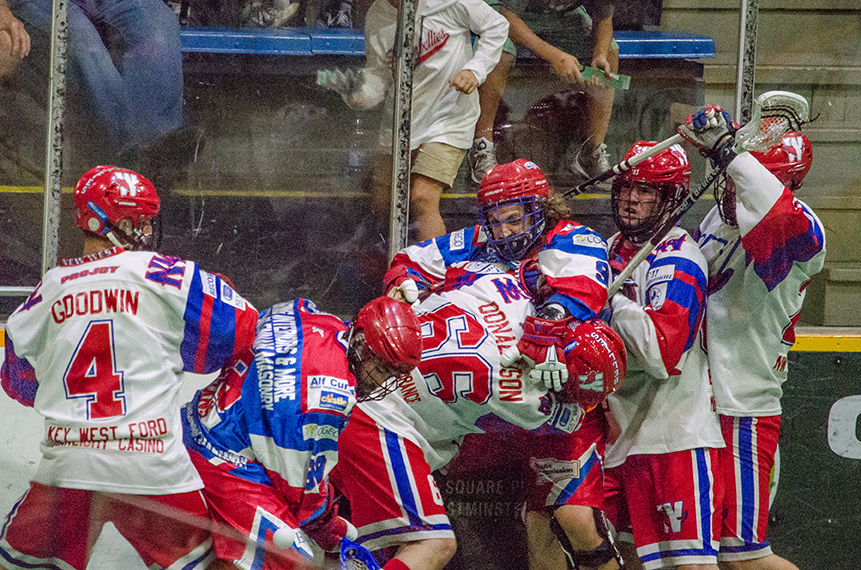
(355, 557)
(625, 165)
(774, 114)
(777, 101)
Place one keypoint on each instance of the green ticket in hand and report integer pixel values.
(616, 81)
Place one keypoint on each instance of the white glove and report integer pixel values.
(345, 83)
(551, 371)
(406, 291)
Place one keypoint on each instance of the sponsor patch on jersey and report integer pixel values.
(320, 431)
(657, 295)
(458, 240)
(229, 296)
(333, 400)
(330, 383)
(660, 275)
(551, 470)
(567, 417)
(587, 239)
(210, 284)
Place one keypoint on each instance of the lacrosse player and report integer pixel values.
(264, 435)
(763, 246)
(563, 267)
(664, 452)
(462, 386)
(445, 103)
(99, 349)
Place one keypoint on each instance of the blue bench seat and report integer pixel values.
(312, 41)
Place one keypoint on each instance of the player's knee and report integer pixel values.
(578, 523)
(592, 545)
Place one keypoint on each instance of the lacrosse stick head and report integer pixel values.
(774, 114)
(643, 196)
(356, 557)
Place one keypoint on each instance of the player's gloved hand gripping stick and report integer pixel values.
(711, 131)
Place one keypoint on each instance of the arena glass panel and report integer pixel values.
(269, 183)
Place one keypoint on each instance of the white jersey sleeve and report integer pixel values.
(758, 273)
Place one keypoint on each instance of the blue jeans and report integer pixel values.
(133, 97)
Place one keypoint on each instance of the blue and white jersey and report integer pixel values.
(573, 260)
(275, 417)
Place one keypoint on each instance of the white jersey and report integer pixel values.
(758, 272)
(460, 385)
(664, 404)
(445, 27)
(99, 349)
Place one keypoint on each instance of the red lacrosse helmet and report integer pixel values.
(669, 172)
(519, 183)
(107, 194)
(392, 334)
(789, 160)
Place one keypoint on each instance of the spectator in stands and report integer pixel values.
(124, 72)
(14, 40)
(554, 30)
(445, 105)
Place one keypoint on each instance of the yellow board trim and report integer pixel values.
(827, 343)
(803, 343)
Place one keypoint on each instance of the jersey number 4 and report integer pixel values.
(92, 373)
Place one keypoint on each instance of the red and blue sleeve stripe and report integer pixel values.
(18, 376)
(678, 319)
(788, 233)
(214, 330)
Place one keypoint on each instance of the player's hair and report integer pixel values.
(556, 209)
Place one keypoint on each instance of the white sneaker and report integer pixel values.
(482, 157)
(262, 14)
(343, 18)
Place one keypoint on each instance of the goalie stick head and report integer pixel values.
(511, 197)
(385, 344)
(643, 196)
(117, 204)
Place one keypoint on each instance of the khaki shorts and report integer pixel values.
(438, 161)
